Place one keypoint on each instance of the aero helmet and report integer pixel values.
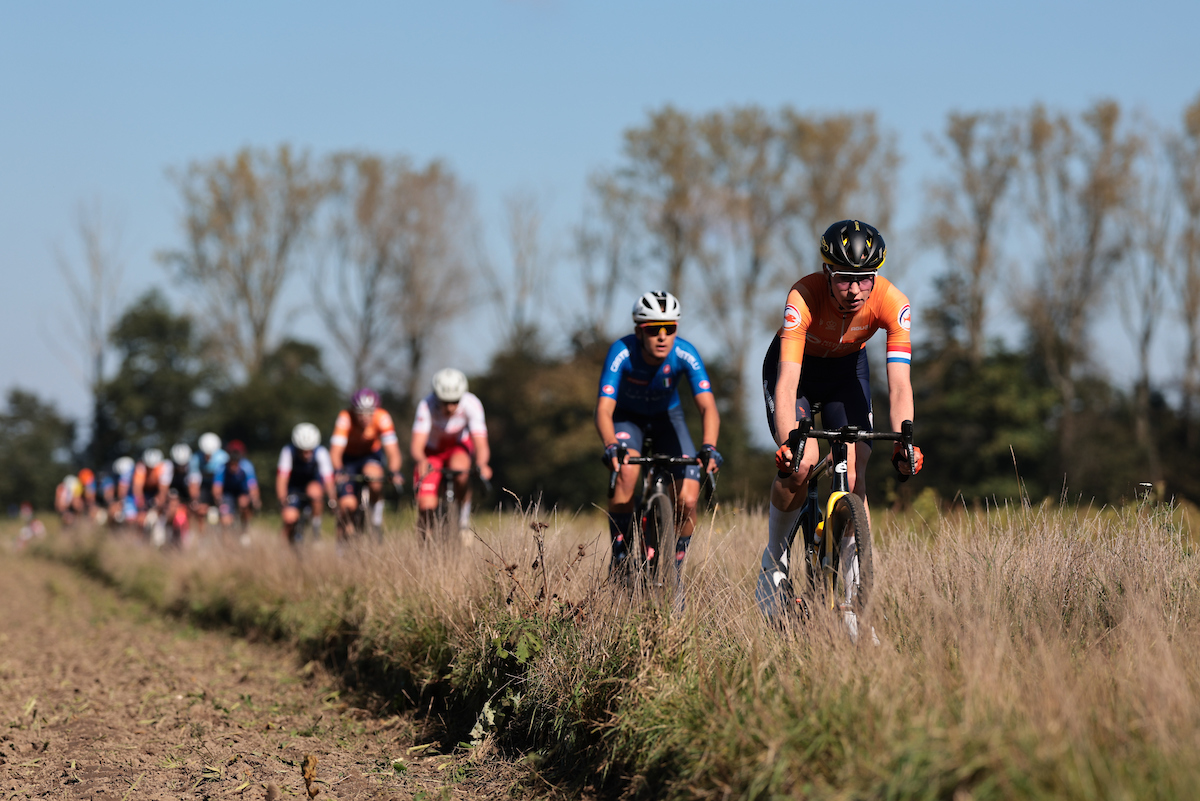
(306, 436)
(853, 245)
(236, 448)
(209, 443)
(152, 457)
(656, 307)
(122, 465)
(449, 385)
(365, 400)
(181, 453)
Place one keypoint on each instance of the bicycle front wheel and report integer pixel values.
(658, 526)
(856, 575)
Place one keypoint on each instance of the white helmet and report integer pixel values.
(306, 436)
(656, 307)
(449, 385)
(152, 457)
(210, 443)
(181, 453)
(122, 465)
(71, 483)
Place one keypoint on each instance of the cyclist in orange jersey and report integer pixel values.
(363, 436)
(819, 355)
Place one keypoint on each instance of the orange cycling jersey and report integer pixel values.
(813, 324)
(360, 440)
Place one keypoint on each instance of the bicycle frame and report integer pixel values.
(820, 554)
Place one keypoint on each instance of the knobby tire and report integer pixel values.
(849, 517)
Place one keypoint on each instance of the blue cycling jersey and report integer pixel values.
(205, 468)
(239, 473)
(643, 388)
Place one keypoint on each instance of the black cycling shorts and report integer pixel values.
(841, 385)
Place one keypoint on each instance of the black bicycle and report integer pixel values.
(654, 509)
(360, 524)
(831, 581)
(445, 523)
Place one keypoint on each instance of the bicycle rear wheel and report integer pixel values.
(855, 580)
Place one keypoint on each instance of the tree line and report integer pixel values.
(1049, 221)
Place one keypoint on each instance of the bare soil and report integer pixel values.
(102, 699)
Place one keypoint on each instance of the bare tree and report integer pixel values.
(516, 292)
(1184, 152)
(983, 154)
(748, 167)
(606, 246)
(245, 221)
(93, 286)
(664, 171)
(848, 166)
(396, 275)
(1081, 179)
(1141, 300)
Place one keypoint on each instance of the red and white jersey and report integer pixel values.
(444, 430)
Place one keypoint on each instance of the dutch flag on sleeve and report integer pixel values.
(899, 353)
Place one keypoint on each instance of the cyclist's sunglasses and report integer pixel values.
(653, 329)
(864, 280)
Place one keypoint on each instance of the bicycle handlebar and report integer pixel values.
(848, 434)
(658, 459)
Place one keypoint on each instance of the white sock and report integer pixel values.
(377, 514)
(464, 514)
(779, 531)
(316, 526)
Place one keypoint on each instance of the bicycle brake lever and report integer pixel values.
(906, 434)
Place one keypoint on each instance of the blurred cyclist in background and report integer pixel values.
(202, 472)
(150, 480)
(68, 499)
(449, 432)
(236, 488)
(303, 479)
(363, 436)
(123, 508)
(179, 497)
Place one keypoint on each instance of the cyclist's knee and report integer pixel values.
(290, 515)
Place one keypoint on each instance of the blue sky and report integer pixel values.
(99, 100)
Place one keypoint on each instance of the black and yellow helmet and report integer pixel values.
(853, 245)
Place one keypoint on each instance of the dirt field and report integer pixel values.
(101, 700)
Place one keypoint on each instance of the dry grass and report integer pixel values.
(1023, 652)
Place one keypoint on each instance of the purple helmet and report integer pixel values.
(365, 400)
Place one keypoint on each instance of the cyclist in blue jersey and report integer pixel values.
(202, 471)
(236, 487)
(639, 398)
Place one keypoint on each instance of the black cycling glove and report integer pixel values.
(710, 452)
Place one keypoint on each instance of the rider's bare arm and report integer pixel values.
(335, 454)
(604, 423)
(900, 394)
(392, 451)
(786, 387)
(483, 455)
(710, 420)
(416, 450)
(281, 482)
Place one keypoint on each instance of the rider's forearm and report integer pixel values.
(416, 448)
(335, 455)
(483, 453)
(393, 456)
(710, 424)
(786, 388)
(604, 421)
(900, 394)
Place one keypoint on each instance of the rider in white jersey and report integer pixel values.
(449, 432)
